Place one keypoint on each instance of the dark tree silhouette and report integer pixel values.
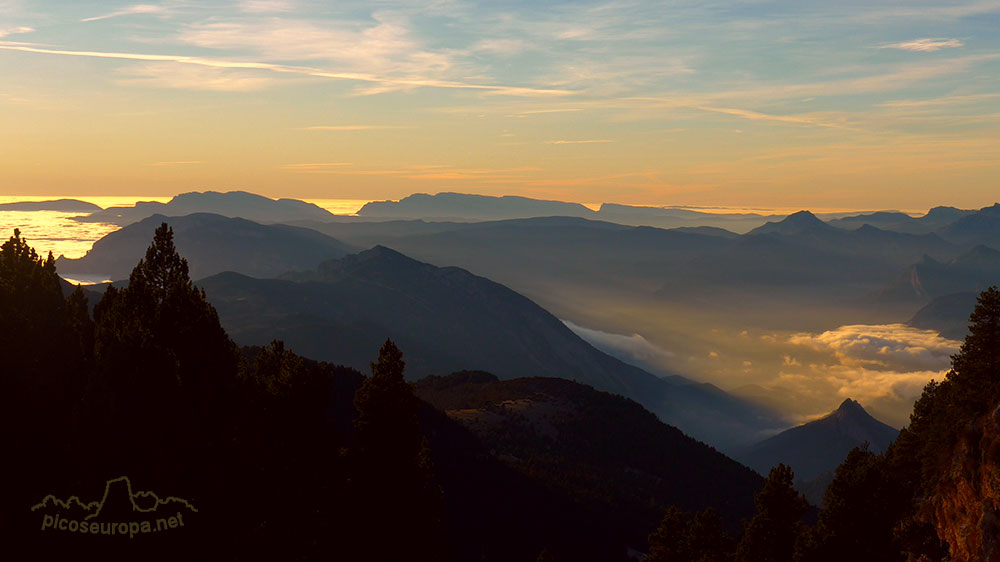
(164, 372)
(976, 368)
(392, 467)
(771, 535)
(707, 538)
(861, 507)
(669, 542)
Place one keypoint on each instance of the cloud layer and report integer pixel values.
(633, 349)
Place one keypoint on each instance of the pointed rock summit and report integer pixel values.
(795, 223)
(821, 445)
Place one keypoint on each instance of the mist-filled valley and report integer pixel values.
(797, 344)
(795, 315)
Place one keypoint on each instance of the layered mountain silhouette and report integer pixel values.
(230, 204)
(799, 250)
(821, 445)
(211, 244)
(60, 205)
(458, 206)
(448, 319)
(936, 218)
(466, 207)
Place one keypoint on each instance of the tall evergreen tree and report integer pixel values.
(164, 367)
(976, 368)
(861, 508)
(708, 539)
(42, 376)
(771, 535)
(669, 542)
(392, 466)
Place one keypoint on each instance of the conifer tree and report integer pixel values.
(669, 542)
(392, 466)
(42, 375)
(164, 365)
(771, 535)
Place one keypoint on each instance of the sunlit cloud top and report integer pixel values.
(813, 104)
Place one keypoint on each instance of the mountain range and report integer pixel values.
(449, 319)
(231, 204)
(464, 208)
(211, 244)
(59, 205)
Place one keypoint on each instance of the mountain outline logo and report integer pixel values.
(120, 511)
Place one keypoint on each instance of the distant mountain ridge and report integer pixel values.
(467, 207)
(232, 204)
(458, 206)
(935, 218)
(211, 244)
(821, 445)
(59, 205)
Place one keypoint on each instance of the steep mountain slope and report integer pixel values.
(448, 319)
(821, 445)
(963, 505)
(947, 315)
(211, 244)
(929, 278)
(230, 204)
(595, 446)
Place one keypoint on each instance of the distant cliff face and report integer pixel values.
(965, 504)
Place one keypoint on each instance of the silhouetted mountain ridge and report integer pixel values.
(449, 319)
(821, 445)
(234, 204)
(59, 205)
(211, 244)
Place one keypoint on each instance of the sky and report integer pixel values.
(821, 105)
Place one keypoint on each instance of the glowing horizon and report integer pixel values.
(738, 105)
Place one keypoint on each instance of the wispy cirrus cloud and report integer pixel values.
(192, 77)
(138, 9)
(924, 45)
(5, 31)
(386, 81)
